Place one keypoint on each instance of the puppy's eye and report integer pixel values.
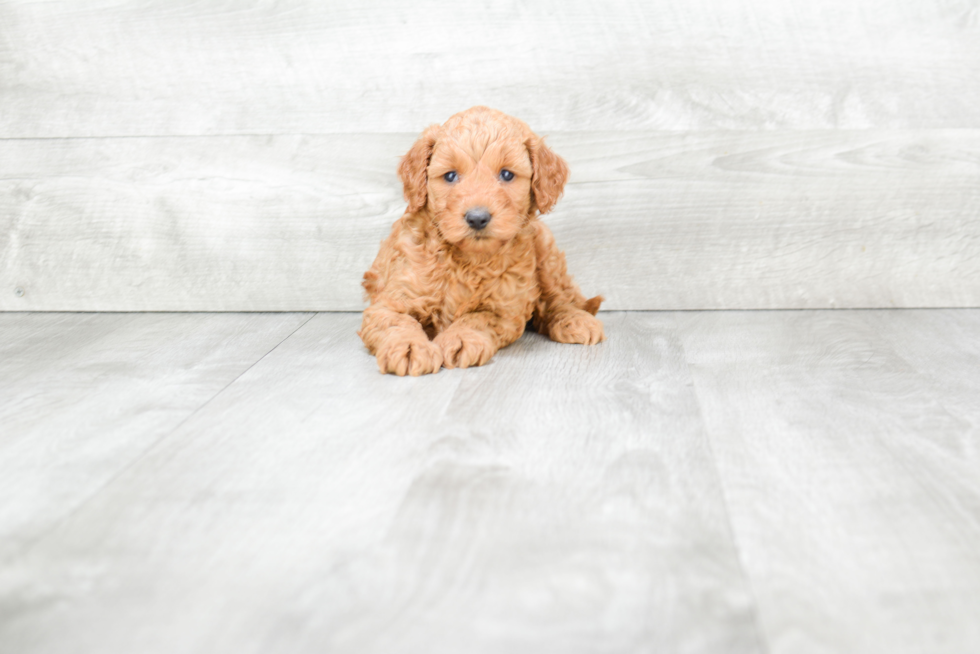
(451, 176)
(506, 175)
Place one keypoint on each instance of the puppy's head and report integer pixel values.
(481, 177)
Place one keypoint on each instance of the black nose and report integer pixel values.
(478, 218)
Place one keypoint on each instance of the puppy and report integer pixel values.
(469, 265)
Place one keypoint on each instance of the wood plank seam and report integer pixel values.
(762, 638)
(26, 549)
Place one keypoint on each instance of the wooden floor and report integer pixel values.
(792, 481)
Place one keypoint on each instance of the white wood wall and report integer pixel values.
(165, 155)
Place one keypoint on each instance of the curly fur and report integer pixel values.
(444, 294)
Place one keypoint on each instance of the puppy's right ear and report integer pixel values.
(412, 169)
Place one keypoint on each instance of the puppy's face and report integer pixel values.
(481, 177)
(479, 186)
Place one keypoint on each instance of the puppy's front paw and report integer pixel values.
(413, 356)
(462, 348)
(576, 326)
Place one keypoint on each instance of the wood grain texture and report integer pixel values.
(848, 453)
(141, 68)
(83, 396)
(258, 223)
(941, 347)
(561, 498)
(660, 220)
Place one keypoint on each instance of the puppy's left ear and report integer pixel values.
(549, 174)
(413, 169)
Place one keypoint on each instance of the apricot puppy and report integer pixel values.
(469, 264)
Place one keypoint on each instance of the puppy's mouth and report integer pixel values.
(480, 242)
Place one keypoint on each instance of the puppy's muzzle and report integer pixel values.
(478, 218)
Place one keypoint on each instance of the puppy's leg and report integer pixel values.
(475, 337)
(562, 312)
(399, 342)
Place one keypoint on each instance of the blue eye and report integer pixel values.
(451, 176)
(506, 175)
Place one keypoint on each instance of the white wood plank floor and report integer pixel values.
(794, 481)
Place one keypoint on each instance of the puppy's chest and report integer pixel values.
(512, 291)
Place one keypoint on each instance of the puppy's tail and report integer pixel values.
(592, 304)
